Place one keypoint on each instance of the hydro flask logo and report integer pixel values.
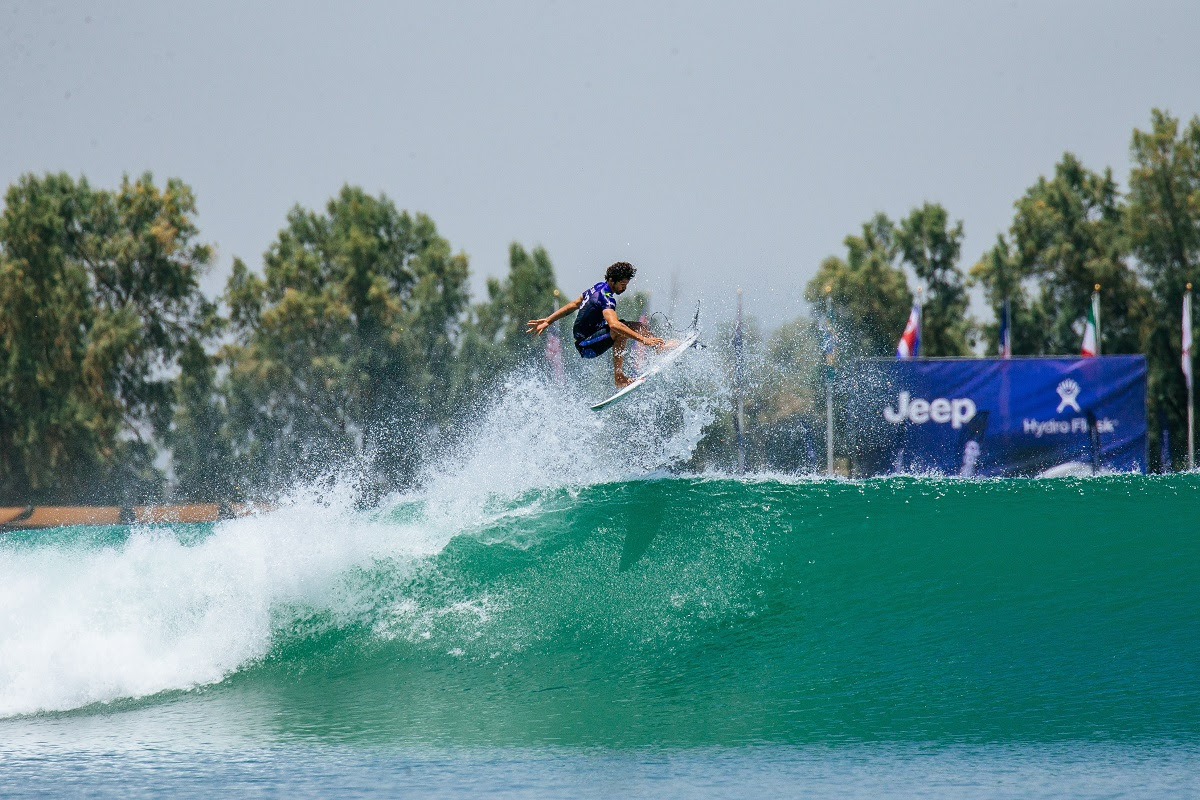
(1068, 390)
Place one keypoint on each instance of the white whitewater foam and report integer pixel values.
(83, 624)
(539, 435)
(90, 625)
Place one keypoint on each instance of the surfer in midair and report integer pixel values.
(597, 327)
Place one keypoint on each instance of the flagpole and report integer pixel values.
(739, 421)
(1004, 336)
(1008, 334)
(1096, 315)
(1187, 327)
(829, 387)
(920, 319)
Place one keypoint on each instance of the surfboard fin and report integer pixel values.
(696, 327)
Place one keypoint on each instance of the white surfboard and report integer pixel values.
(658, 366)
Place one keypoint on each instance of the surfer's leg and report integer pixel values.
(620, 378)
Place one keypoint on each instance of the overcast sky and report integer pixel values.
(732, 144)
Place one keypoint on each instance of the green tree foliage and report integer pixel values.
(717, 449)
(494, 339)
(871, 298)
(200, 438)
(1164, 203)
(784, 400)
(1000, 276)
(633, 306)
(100, 291)
(1069, 234)
(931, 246)
(789, 412)
(345, 347)
(1164, 229)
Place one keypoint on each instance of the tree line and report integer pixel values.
(357, 339)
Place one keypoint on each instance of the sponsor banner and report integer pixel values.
(988, 417)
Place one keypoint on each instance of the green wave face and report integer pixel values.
(679, 611)
(716, 611)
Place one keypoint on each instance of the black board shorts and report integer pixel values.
(601, 341)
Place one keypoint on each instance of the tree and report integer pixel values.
(1000, 276)
(788, 404)
(494, 341)
(932, 248)
(347, 343)
(871, 299)
(1069, 234)
(1164, 203)
(1164, 230)
(101, 295)
(201, 449)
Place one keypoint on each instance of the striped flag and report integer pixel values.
(1089, 335)
(910, 341)
(1186, 358)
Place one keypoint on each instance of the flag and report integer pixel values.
(1089, 335)
(1005, 331)
(910, 340)
(1186, 358)
(554, 353)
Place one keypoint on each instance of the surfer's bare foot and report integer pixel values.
(621, 380)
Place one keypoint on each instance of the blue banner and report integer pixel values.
(990, 417)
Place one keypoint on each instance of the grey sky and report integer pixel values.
(733, 143)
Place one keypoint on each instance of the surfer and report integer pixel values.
(597, 327)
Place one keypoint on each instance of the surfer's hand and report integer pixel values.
(655, 342)
(537, 326)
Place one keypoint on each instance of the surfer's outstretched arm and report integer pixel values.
(537, 326)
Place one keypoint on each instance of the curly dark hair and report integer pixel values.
(620, 271)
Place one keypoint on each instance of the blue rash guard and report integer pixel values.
(592, 336)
